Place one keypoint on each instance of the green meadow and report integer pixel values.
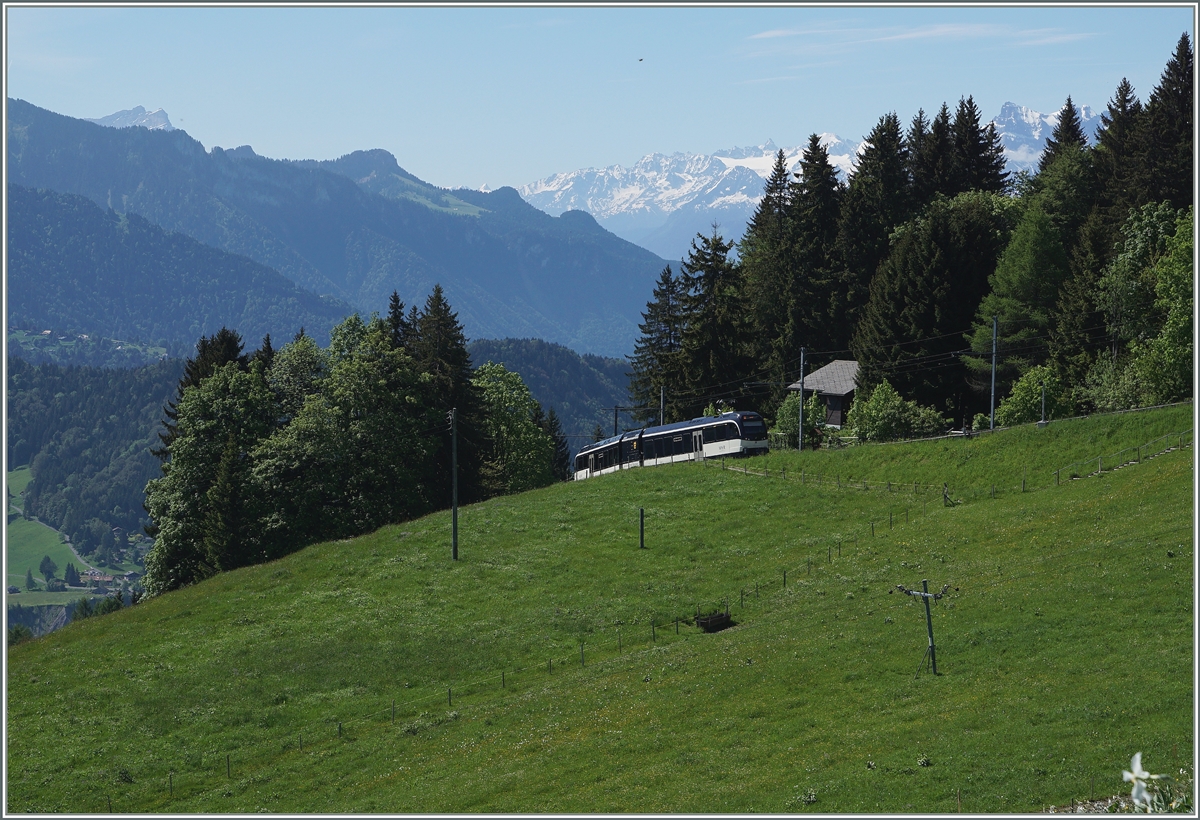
(555, 666)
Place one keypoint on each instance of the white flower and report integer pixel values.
(1138, 777)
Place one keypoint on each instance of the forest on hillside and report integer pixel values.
(264, 453)
(1084, 268)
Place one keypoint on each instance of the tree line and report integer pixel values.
(266, 452)
(1085, 265)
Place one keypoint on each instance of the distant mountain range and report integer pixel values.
(153, 120)
(663, 201)
(355, 229)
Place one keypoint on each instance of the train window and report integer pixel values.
(754, 430)
(718, 432)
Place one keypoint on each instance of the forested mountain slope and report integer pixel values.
(512, 271)
(74, 267)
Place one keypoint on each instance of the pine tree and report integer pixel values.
(265, 353)
(1165, 158)
(1068, 133)
(562, 449)
(71, 575)
(978, 152)
(656, 364)
(222, 347)
(47, 568)
(398, 323)
(1024, 295)
(876, 202)
(438, 347)
(924, 297)
(30, 584)
(712, 339)
(932, 160)
(768, 271)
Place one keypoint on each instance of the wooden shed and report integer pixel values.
(834, 383)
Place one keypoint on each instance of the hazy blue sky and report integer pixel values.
(504, 96)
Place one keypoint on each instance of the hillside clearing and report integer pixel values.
(1066, 647)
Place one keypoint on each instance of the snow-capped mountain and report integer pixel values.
(1024, 132)
(663, 201)
(153, 120)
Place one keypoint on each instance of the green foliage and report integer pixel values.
(1149, 360)
(581, 390)
(88, 435)
(30, 584)
(925, 292)
(84, 608)
(1024, 403)
(523, 454)
(19, 633)
(711, 343)
(883, 415)
(1024, 292)
(657, 366)
(47, 568)
(787, 419)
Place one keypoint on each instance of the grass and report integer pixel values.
(27, 543)
(1066, 647)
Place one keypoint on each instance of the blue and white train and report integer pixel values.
(730, 434)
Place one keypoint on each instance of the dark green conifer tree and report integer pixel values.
(398, 324)
(931, 160)
(1165, 156)
(819, 310)
(978, 153)
(714, 361)
(924, 297)
(438, 347)
(1024, 295)
(876, 202)
(1067, 134)
(767, 263)
(656, 362)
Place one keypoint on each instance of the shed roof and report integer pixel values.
(835, 378)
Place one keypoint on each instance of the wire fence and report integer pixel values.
(411, 716)
(1126, 457)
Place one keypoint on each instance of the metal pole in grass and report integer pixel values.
(394, 709)
(171, 783)
(800, 432)
(502, 683)
(581, 653)
(642, 526)
(228, 770)
(454, 483)
(449, 696)
(992, 425)
(927, 596)
(653, 633)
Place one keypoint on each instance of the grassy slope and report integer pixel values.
(1067, 647)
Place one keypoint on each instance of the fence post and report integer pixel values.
(394, 707)
(872, 529)
(581, 653)
(785, 579)
(228, 770)
(653, 632)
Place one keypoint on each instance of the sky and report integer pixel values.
(492, 96)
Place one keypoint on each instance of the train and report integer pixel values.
(737, 433)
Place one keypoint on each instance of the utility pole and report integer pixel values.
(927, 595)
(992, 426)
(1043, 385)
(662, 405)
(454, 483)
(800, 440)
